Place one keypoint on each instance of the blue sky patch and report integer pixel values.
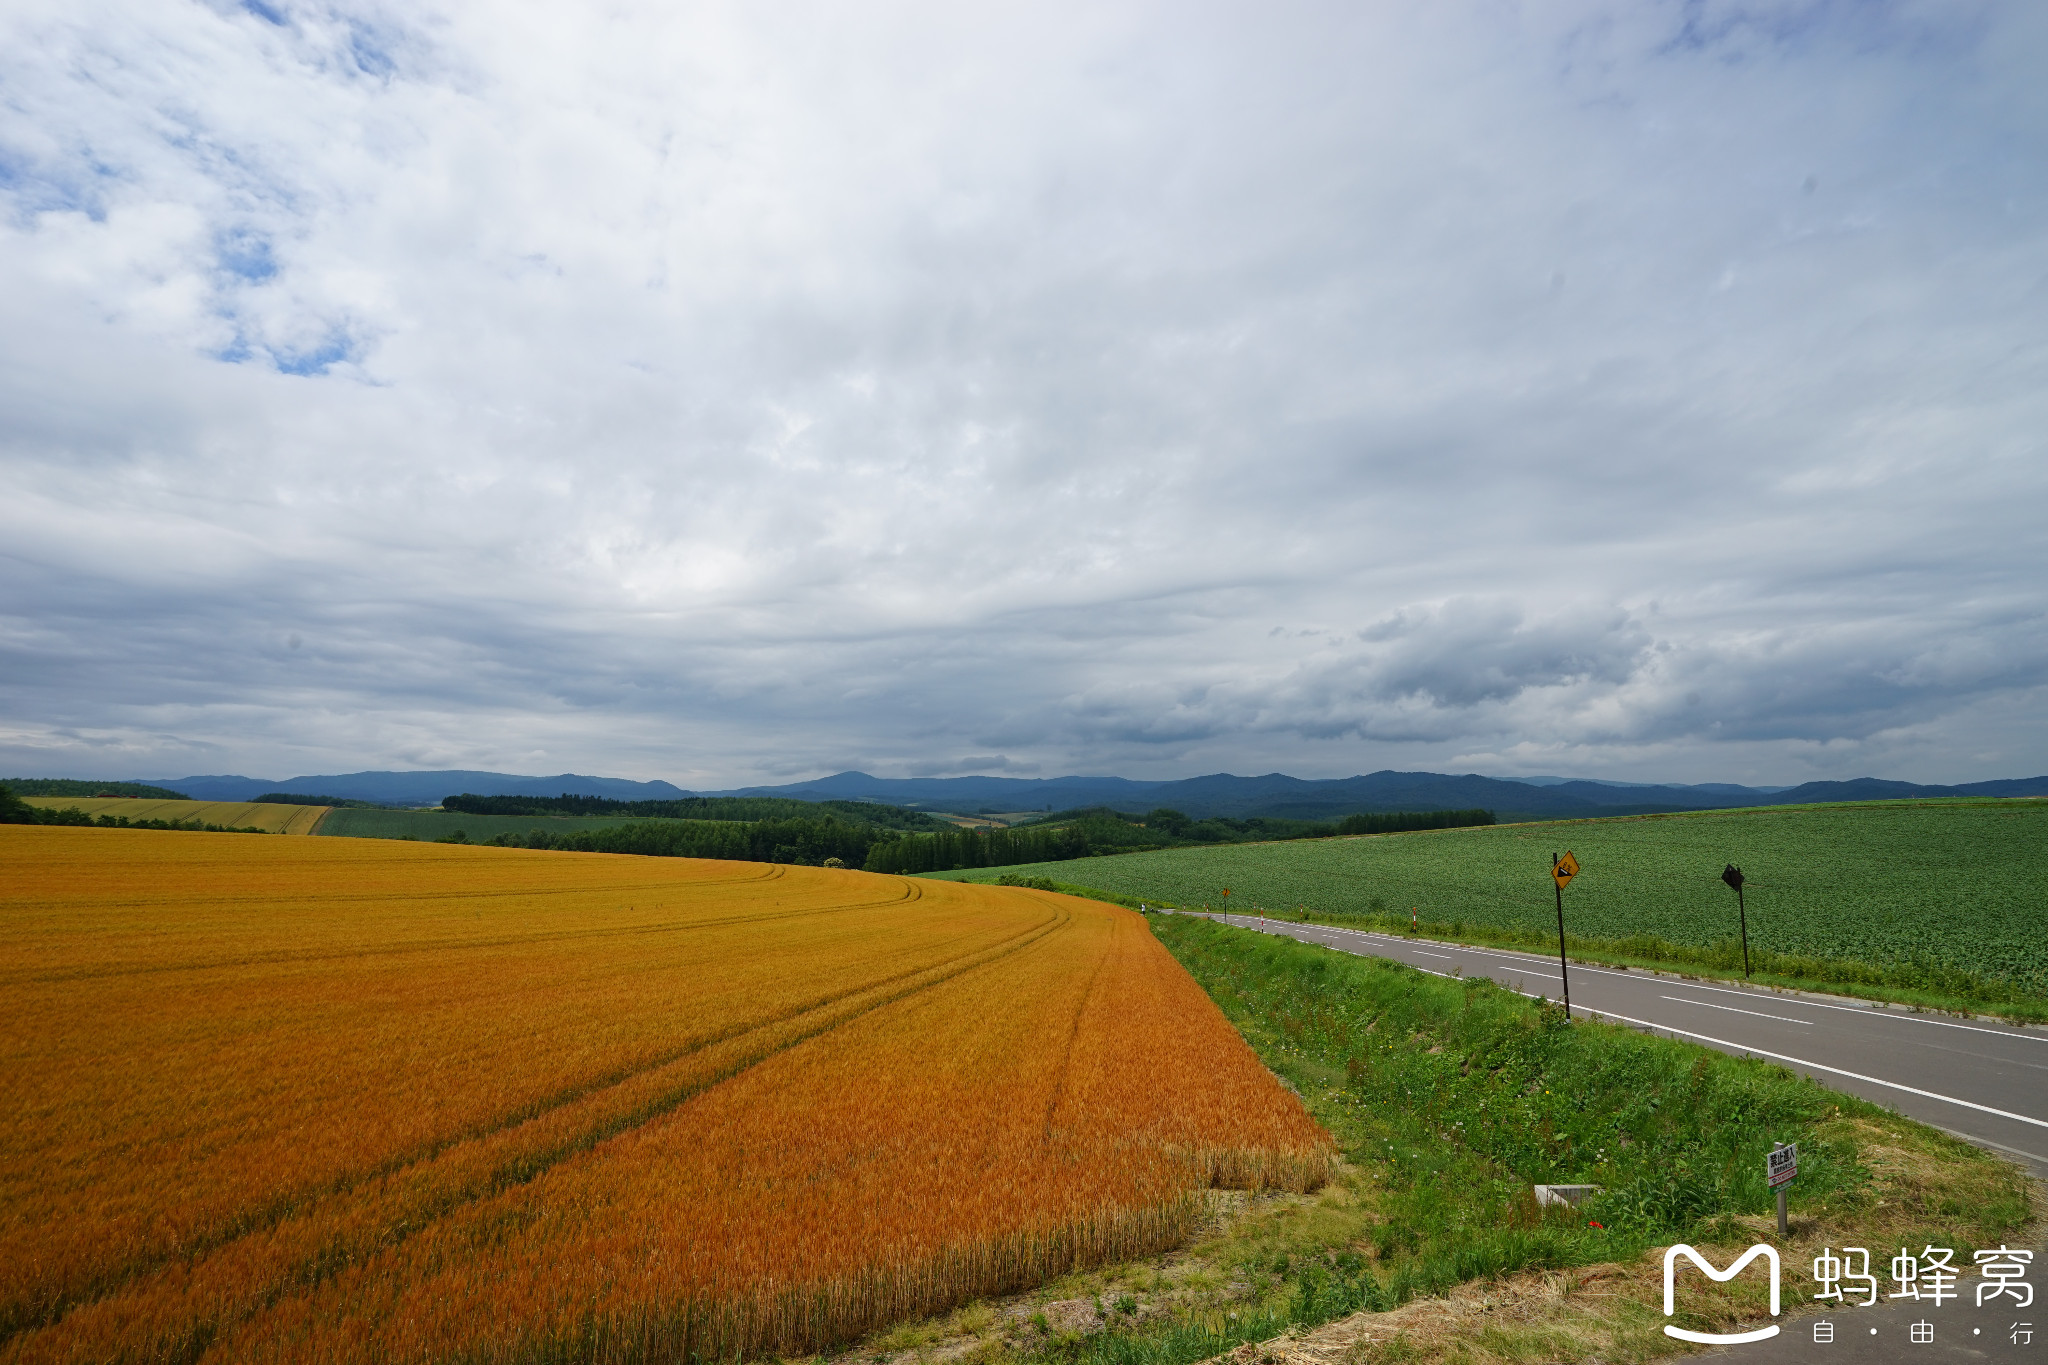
(336, 349)
(246, 255)
(370, 51)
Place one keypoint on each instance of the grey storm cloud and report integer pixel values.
(729, 393)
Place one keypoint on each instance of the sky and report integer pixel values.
(740, 393)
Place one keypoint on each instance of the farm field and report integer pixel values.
(361, 1100)
(1939, 884)
(430, 825)
(233, 814)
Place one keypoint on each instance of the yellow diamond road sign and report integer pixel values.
(1567, 868)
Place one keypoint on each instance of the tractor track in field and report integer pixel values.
(512, 1169)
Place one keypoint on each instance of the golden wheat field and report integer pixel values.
(363, 1100)
(233, 814)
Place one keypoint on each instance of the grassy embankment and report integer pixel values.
(1450, 1100)
(1935, 903)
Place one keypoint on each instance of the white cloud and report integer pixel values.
(731, 392)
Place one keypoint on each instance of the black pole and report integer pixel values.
(1743, 911)
(1564, 972)
(1732, 875)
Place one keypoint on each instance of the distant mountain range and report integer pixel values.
(420, 788)
(1275, 794)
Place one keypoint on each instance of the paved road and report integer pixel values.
(1984, 1081)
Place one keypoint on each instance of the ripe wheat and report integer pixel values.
(346, 1100)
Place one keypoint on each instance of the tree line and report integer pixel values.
(822, 837)
(811, 842)
(1396, 822)
(697, 808)
(71, 786)
(295, 799)
(977, 848)
(1099, 830)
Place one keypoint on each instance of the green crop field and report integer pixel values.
(429, 825)
(1920, 889)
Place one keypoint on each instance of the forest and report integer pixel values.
(87, 787)
(699, 808)
(811, 842)
(1099, 830)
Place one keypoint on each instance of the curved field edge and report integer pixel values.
(466, 1201)
(1427, 1245)
(1939, 903)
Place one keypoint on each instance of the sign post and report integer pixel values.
(1781, 1165)
(1563, 870)
(1732, 875)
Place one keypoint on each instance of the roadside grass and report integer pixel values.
(1450, 1099)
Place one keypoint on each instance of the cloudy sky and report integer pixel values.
(734, 393)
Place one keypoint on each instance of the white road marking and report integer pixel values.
(1874, 1012)
(1423, 952)
(1710, 1005)
(1752, 991)
(1987, 1142)
(1831, 1070)
(1521, 963)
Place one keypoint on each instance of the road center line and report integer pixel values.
(1876, 1013)
(1752, 992)
(1710, 1005)
(1831, 1070)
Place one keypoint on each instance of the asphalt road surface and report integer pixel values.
(1983, 1081)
